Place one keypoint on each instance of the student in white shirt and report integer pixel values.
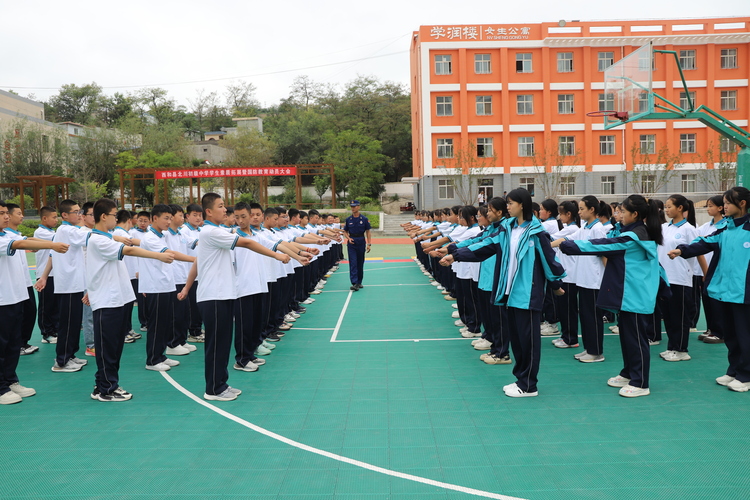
(177, 241)
(567, 304)
(29, 305)
(123, 230)
(217, 292)
(49, 315)
(548, 212)
(12, 295)
(88, 315)
(714, 333)
(140, 228)
(191, 230)
(678, 310)
(109, 290)
(157, 283)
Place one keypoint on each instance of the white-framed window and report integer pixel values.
(727, 146)
(523, 62)
(484, 105)
(565, 104)
(684, 99)
(445, 148)
(484, 147)
(605, 60)
(446, 189)
(444, 105)
(728, 58)
(567, 186)
(687, 59)
(443, 64)
(607, 102)
(564, 62)
(648, 144)
(525, 146)
(606, 144)
(608, 184)
(687, 143)
(728, 100)
(643, 102)
(525, 104)
(689, 183)
(528, 184)
(648, 183)
(482, 64)
(567, 145)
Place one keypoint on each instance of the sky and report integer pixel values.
(191, 45)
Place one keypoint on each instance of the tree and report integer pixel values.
(155, 102)
(240, 99)
(94, 155)
(248, 148)
(298, 135)
(555, 166)
(31, 149)
(305, 92)
(76, 104)
(651, 172)
(721, 166)
(114, 109)
(466, 169)
(357, 161)
(321, 184)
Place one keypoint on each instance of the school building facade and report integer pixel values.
(506, 105)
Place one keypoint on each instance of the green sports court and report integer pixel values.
(374, 395)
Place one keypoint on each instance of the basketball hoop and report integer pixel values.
(619, 115)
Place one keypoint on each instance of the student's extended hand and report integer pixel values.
(123, 240)
(324, 241)
(312, 251)
(166, 257)
(283, 258)
(86, 300)
(559, 292)
(447, 261)
(182, 295)
(40, 284)
(442, 251)
(60, 247)
(557, 242)
(304, 260)
(674, 253)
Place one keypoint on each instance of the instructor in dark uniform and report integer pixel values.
(359, 241)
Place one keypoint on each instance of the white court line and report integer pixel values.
(400, 340)
(322, 329)
(339, 458)
(341, 317)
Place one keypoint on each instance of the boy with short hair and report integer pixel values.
(109, 291)
(177, 344)
(49, 315)
(12, 295)
(123, 229)
(139, 229)
(88, 315)
(29, 305)
(191, 230)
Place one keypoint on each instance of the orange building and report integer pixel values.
(508, 103)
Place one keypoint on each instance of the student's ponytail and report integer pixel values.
(691, 212)
(648, 213)
(571, 207)
(499, 204)
(687, 206)
(604, 210)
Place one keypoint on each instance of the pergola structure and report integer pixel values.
(128, 176)
(39, 185)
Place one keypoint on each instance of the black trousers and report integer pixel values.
(29, 317)
(110, 326)
(712, 309)
(128, 323)
(181, 315)
(736, 318)
(525, 340)
(218, 317)
(495, 321)
(10, 344)
(678, 317)
(549, 309)
(697, 292)
(160, 321)
(48, 311)
(71, 319)
(139, 300)
(267, 308)
(248, 325)
(636, 357)
(568, 313)
(467, 300)
(592, 321)
(356, 253)
(196, 321)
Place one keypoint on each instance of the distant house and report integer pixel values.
(215, 136)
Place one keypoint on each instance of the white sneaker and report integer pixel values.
(22, 391)
(315, 292)
(470, 335)
(513, 391)
(295, 315)
(676, 356)
(476, 341)
(434, 283)
(737, 386)
(560, 343)
(262, 351)
(158, 367)
(171, 362)
(483, 345)
(177, 351)
(227, 395)
(612, 328)
(664, 353)
(580, 355)
(618, 381)
(190, 347)
(289, 319)
(268, 345)
(309, 301)
(591, 358)
(455, 314)
(464, 329)
(459, 323)
(654, 342)
(10, 398)
(69, 367)
(79, 361)
(440, 287)
(724, 380)
(259, 361)
(633, 392)
(615, 329)
(454, 306)
(249, 367)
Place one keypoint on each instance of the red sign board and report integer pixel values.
(203, 173)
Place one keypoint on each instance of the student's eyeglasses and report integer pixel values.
(75, 212)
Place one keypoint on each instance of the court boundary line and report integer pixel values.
(341, 316)
(333, 456)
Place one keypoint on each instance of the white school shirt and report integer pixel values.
(679, 271)
(69, 275)
(154, 275)
(216, 275)
(589, 268)
(179, 243)
(42, 256)
(251, 267)
(14, 288)
(551, 226)
(706, 229)
(20, 256)
(288, 235)
(137, 234)
(107, 279)
(131, 263)
(275, 267)
(467, 270)
(567, 261)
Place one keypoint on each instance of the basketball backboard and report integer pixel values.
(628, 87)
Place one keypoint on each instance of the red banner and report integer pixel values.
(203, 173)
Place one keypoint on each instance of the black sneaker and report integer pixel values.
(354, 288)
(274, 337)
(301, 310)
(95, 393)
(359, 286)
(118, 395)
